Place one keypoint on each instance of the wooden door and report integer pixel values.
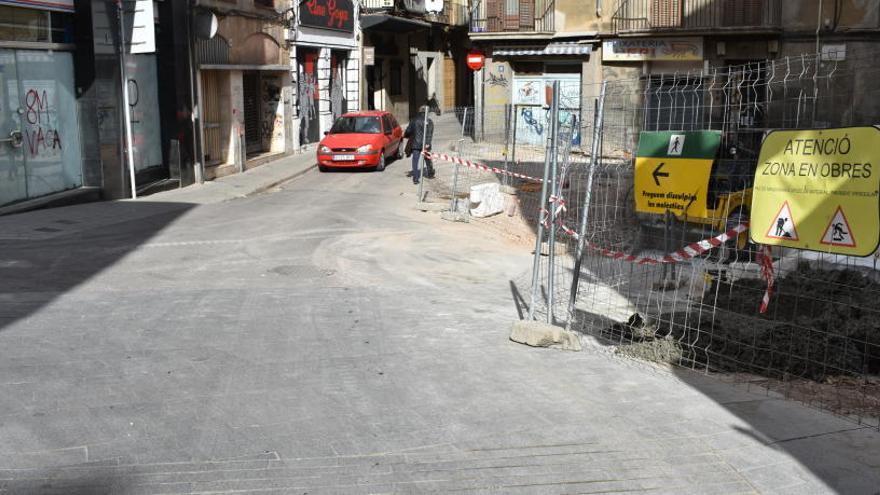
(449, 84)
(213, 138)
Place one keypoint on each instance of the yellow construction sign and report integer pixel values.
(672, 171)
(819, 190)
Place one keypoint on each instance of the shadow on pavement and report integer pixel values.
(46, 253)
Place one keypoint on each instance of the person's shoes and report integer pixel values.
(409, 173)
(415, 181)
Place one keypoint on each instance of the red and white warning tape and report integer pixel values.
(478, 166)
(688, 252)
(766, 261)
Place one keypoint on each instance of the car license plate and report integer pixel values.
(343, 158)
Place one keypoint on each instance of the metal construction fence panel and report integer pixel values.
(684, 288)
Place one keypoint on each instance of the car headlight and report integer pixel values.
(324, 149)
(365, 148)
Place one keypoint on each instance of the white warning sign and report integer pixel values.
(784, 225)
(838, 232)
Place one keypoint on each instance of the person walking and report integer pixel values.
(420, 138)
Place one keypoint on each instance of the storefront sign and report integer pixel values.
(337, 15)
(819, 190)
(630, 50)
(672, 171)
(59, 5)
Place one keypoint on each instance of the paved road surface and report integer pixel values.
(326, 338)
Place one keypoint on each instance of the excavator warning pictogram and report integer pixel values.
(783, 226)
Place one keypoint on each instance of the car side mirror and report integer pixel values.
(326, 133)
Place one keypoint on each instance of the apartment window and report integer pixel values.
(265, 3)
(19, 24)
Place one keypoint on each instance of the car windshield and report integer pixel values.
(359, 125)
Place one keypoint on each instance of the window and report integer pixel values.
(356, 125)
(396, 83)
(265, 3)
(386, 123)
(19, 24)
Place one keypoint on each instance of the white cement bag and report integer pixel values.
(486, 200)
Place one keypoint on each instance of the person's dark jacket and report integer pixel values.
(416, 129)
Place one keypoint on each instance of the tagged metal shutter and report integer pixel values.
(743, 12)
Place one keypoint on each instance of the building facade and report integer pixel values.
(529, 44)
(415, 52)
(244, 86)
(324, 65)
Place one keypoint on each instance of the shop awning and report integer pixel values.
(273, 68)
(551, 49)
(392, 23)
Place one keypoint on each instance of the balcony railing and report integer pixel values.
(695, 15)
(498, 16)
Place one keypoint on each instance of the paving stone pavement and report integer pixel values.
(326, 337)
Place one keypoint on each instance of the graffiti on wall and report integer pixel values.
(272, 118)
(497, 84)
(42, 137)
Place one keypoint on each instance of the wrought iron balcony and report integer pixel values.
(498, 16)
(633, 16)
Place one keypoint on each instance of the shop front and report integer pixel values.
(245, 93)
(325, 66)
(40, 135)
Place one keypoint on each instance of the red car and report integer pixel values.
(361, 139)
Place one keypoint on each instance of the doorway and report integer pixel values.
(251, 93)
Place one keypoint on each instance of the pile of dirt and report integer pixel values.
(819, 343)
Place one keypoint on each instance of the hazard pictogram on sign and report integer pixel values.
(783, 226)
(838, 232)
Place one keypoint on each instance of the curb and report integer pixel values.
(278, 182)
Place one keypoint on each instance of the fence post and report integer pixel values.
(598, 123)
(507, 142)
(548, 157)
(554, 188)
(422, 158)
(453, 204)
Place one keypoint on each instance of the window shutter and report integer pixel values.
(511, 15)
(494, 11)
(743, 12)
(527, 14)
(666, 13)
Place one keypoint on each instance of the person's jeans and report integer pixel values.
(429, 167)
(415, 164)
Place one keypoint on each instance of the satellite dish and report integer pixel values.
(205, 25)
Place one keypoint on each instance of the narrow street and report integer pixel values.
(327, 337)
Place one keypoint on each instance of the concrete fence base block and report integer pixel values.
(540, 334)
(508, 190)
(435, 207)
(454, 216)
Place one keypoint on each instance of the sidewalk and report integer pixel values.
(39, 225)
(250, 182)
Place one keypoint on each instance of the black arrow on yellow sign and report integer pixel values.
(657, 173)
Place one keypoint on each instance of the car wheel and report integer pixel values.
(381, 166)
(399, 155)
